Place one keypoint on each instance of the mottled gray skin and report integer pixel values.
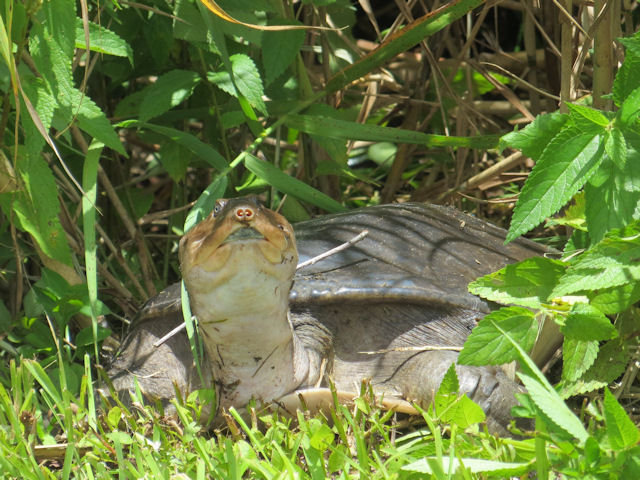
(405, 285)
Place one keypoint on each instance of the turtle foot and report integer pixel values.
(419, 379)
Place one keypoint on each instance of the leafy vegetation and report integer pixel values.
(114, 116)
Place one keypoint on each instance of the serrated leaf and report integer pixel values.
(621, 430)
(610, 263)
(44, 104)
(536, 136)
(554, 408)
(37, 208)
(487, 345)
(528, 283)
(627, 78)
(579, 112)
(616, 147)
(630, 108)
(584, 322)
(461, 411)
(451, 407)
(192, 28)
(52, 45)
(93, 121)
(245, 77)
(291, 185)
(449, 383)
(563, 168)
(609, 365)
(632, 44)
(577, 357)
(169, 90)
(279, 50)
(573, 215)
(615, 299)
(102, 40)
(614, 202)
(472, 465)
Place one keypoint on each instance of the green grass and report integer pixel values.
(45, 432)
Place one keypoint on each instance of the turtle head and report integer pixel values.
(244, 232)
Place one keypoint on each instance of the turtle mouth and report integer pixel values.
(247, 233)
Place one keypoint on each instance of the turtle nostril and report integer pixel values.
(244, 213)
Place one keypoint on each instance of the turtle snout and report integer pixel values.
(244, 213)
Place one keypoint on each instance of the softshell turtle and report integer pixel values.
(361, 314)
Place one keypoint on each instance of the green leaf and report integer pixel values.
(454, 408)
(585, 322)
(577, 357)
(449, 383)
(610, 364)
(536, 136)
(613, 202)
(612, 262)
(550, 403)
(92, 120)
(486, 345)
(580, 112)
(192, 28)
(324, 126)
(90, 186)
(565, 165)
(291, 185)
(203, 151)
(245, 77)
(205, 203)
(175, 159)
(44, 380)
(38, 207)
(279, 49)
(169, 90)
(627, 79)
(102, 40)
(44, 104)
(615, 299)
(528, 283)
(629, 109)
(621, 430)
(471, 465)
(461, 411)
(616, 147)
(86, 336)
(632, 44)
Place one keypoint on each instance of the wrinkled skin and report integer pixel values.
(352, 316)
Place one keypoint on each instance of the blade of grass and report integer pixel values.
(401, 41)
(344, 130)
(290, 185)
(89, 183)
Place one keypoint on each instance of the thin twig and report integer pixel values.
(333, 251)
(423, 348)
(171, 333)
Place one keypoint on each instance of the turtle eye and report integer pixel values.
(220, 203)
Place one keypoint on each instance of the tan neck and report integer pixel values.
(243, 318)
